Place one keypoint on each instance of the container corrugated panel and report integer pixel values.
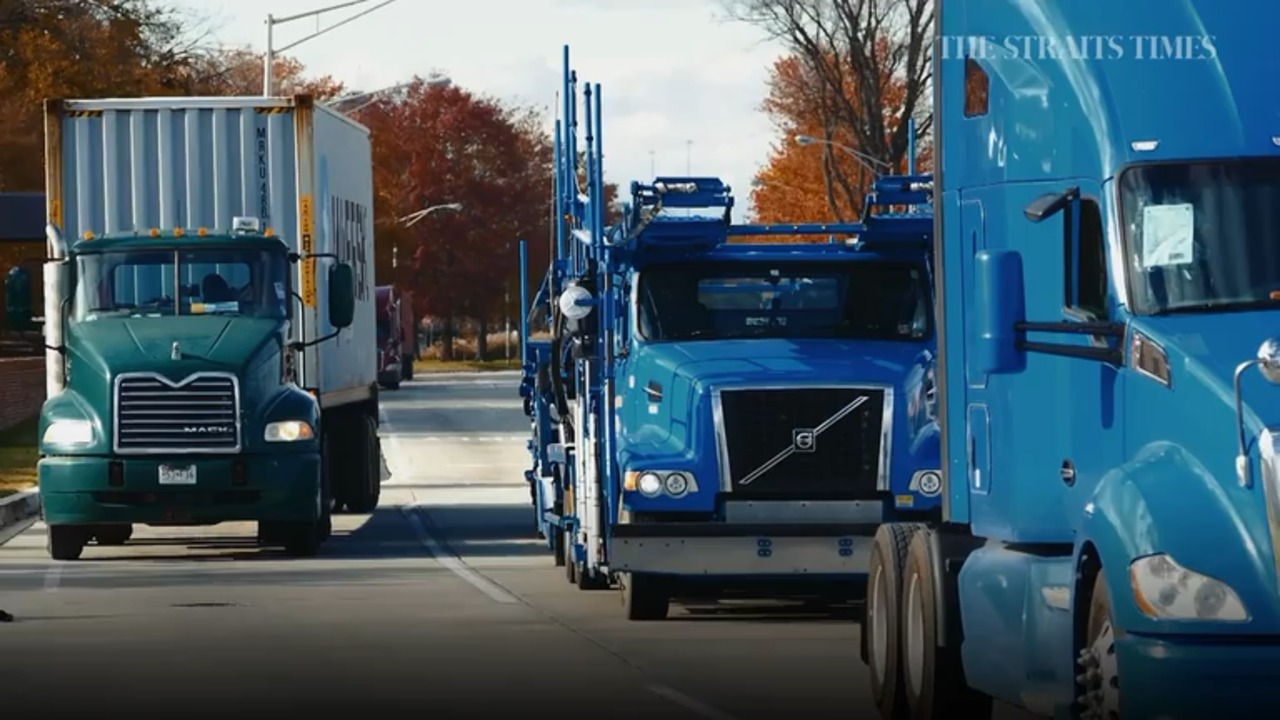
(129, 165)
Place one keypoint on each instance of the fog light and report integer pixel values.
(677, 484)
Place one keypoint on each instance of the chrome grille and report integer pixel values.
(198, 414)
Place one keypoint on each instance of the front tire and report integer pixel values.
(66, 542)
(1100, 679)
(303, 539)
(881, 636)
(644, 597)
(112, 535)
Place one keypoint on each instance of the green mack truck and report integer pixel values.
(208, 313)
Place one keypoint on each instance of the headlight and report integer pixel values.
(650, 484)
(69, 432)
(677, 484)
(288, 431)
(1165, 590)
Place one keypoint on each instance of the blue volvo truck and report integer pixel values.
(714, 417)
(1109, 283)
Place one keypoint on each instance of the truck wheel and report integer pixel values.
(271, 533)
(644, 597)
(66, 542)
(366, 470)
(933, 676)
(303, 539)
(588, 580)
(570, 559)
(1100, 679)
(108, 535)
(558, 548)
(881, 639)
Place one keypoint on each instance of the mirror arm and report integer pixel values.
(303, 344)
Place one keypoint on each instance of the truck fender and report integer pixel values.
(1166, 500)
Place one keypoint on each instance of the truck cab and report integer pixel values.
(391, 370)
(1109, 296)
(171, 388)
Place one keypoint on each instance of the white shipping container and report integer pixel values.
(130, 165)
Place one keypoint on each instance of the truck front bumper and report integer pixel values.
(733, 550)
(87, 490)
(1191, 679)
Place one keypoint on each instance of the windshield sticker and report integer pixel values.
(279, 291)
(1167, 235)
(207, 308)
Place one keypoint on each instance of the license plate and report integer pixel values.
(177, 474)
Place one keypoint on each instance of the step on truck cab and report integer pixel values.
(209, 322)
(716, 417)
(1109, 287)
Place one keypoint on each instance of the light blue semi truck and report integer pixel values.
(1108, 241)
(714, 417)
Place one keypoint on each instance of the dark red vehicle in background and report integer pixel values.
(397, 336)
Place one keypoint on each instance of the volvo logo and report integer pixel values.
(803, 440)
(207, 429)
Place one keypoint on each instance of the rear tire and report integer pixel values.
(366, 480)
(112, 535)
(66, 542)
(644, 597)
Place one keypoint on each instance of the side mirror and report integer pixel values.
(342, 295)
(17, 300)
(999, 304)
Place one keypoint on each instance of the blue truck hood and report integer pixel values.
(720, 362)
(681, 428)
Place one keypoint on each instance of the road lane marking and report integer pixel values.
(52, 577)
(451, 561)
(689, 703)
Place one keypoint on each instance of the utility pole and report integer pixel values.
(688, 157)
(652, 172)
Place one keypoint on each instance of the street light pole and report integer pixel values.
(866, 160)
(268, 59)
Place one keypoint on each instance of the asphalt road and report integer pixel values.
(442, 601)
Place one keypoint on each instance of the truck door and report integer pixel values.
(1039, 439)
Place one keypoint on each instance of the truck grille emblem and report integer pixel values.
(176, 352)
(803, 440)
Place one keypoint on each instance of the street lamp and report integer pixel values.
(268, 60)
(758, 183)
(414, 217)
(432, 80)
(866, 160)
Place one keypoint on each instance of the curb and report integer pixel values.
(19, 507)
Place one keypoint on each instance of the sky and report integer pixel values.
(671, 71)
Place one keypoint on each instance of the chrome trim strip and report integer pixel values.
(1269, 452)
(886, 425)
(115, 413)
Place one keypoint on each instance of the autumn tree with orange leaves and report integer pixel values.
(856, 72)
(436, 145)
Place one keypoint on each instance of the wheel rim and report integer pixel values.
(1101, 678)
(914, 661)
(879, 625)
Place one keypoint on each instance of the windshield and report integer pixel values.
(865, 299)
(1204, 236)
(207, 281)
